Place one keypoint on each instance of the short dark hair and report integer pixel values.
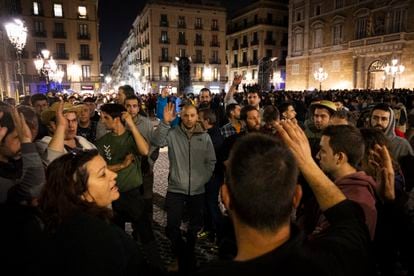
(205, 90)
(89, 100)
(209, 115)
(7, 121)
(246, 109)
(270, 114)
(230, 108)
(113, 110)
(347, 139)
(284, 106)
(133, 97)
(344, 114)
(261, 197)
(38, 97)
(253, 91)
(128, 90)
(382, 106)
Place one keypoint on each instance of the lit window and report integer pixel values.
(58, 10)
(82, 12)
(35, 8)
(86, 72)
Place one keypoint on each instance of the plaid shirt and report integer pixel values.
(228, 130)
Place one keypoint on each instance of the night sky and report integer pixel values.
(116, 20)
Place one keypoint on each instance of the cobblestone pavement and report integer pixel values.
(205, 251)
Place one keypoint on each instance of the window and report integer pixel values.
(198, 39)
(39, 27)
(214, 39)
(317, 38)
(60, 51)
(361, 27)
(298, 40)
(165, 72)
(58, 10)
(254, 74)
(244, 41)
(245, 23)
(82, 12)
(215, 74)
(164, 20)
(269, 18)
(298, 16)
(317, 10)
(254, 55)
(336, 66)
(269, 35)
(235, 59)
(214, 56)
(164, 36)
(339, 4)
(198, 72)
(40, 46)
(295, 69)
(397, 20)
(244, 57)
(256, 19)
(59, 27)
(255, 39)
(83, 30)
(198, 23)
(64, 69)
(181, 38)
(269, 53)
(84, 49)
(164, 53)
(86, 72)
(37, 8)
(181, 52)
(199, 56)
(214, 25)
(337, 34)
(181, 22)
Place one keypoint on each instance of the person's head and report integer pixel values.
(205, 96)
(251, 117)
(341, 117)
(124, 92)
(340, 145)
(70, 112)
(72, 99)
(10, 144)
(207, 117)
(39, 103)
(31, 118)
(381, 116)
(261, 183)
(78, 181)
(90, 103)
(322, 112)
(287, 111)
(111, 115)
(270, 116)
(84, 115)
(132, 105)
(189, 116)
(253, 98)
(233, 111)
(372, 137)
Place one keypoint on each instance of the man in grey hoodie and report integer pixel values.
(192, 159)
(382, 117)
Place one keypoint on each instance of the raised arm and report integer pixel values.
(326, 192)
(142, 145)
(159, 137)
(229, 98)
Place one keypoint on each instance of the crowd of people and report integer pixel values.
(280, 182)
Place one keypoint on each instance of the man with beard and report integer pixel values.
(206, 101)
(233, 115)
(382, 117)
(192, 160)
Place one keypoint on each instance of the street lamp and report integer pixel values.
(393, 70)
(17, 33)
(264, 73)
(320, 75)
(47, 67)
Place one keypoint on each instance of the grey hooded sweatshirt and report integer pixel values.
(191, 156)
(399, 147)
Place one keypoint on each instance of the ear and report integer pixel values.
(341, 158)
(225, 195)
(297, 196)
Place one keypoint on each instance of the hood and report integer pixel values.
(390, 130)
(355, 182)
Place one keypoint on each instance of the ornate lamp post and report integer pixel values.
(17, 33)
(47, 67)
(320, 75)
(393, 70)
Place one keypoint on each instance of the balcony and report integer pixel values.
(198, 43)
(244, 45)
(182, 42)
(181, 25)
(59, 34)
(214, 28)
(234, 65)
(215, 61)
(244, 63)
(164, 24)
(270, 42)
(40, 33)
(254, 42)
(84, 36)
(215, 44)
(61, 55)
(198, 60)
(165, 59)
(146, 60)
(164, 41)
(239, 27)
(198, 26)
(85, 56)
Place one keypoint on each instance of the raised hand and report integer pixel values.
(296, 140)
(128, 119)
(3, 131)
(237, 80)
(60, 118)
(169, 113)
(380, 159)
(23, 130)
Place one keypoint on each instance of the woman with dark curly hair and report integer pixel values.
(76, 210)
